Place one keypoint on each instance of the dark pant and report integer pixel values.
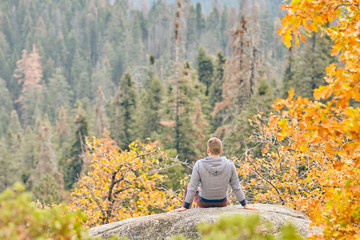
(204, 204)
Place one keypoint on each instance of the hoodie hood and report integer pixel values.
(214, 165)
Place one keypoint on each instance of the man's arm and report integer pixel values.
(235, 185)
(192, 188)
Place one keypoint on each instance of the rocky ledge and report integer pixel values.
(167, 225)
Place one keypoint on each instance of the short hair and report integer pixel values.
(214, 145)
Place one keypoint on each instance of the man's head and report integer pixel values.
(214, 146)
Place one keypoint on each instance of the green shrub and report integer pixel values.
(21, 219)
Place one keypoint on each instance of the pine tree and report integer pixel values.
(237, 140)
(80, 77)
(192, 40)
(311, 65)
(29, 152)
(10, 157)
(74, 165)
(6, 106)
(237, 87)
(149, 108)
(8, 169)
(101, 119)
(47, 191)
(288, 79)
(29, 73)
(205, 69)
(200, 21)
(212, 36)
(47, 163)
(61, 141)
(5, 62)
(178, 125)
(101, 78)
(62, 125)
(216, 94)
(124, 111)
(224, 29)
(58, 92)
(200, 127)
(216, 87)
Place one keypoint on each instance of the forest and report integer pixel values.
(107, 104)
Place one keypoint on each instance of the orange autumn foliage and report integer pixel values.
(311, 159)
(121, 184)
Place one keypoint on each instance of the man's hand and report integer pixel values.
(179, 209)
(250, 208)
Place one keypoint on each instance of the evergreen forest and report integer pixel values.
(101, 100)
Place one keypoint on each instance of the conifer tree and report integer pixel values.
(101, 119)
(5, 62)
(8, 169)
(74, 165)
(288, 79)
(191, 34)
(62, 125)
(10, 157)
(6, 106)
(237, 86)
(29, 73)
(124, 111)
(47, 163)
(149, 108)
(205, 69)
(101, 78)
(311, 65)
(211, 38)
(61, 137)
(179, 126)
(47, 191)
(58, 92)
(216, 94)
(29, 154)
(224, 29)
(238, 138)
(216, 87)
(200, 127)
(200, 21)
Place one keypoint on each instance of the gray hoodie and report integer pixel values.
(214, 176)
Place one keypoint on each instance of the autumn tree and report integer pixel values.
(311, 156)
(29, 73)
(121, 184)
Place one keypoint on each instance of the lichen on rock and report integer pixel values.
(167, 225)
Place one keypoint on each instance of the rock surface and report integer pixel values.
(167, 225)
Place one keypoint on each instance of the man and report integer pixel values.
(213, 174)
